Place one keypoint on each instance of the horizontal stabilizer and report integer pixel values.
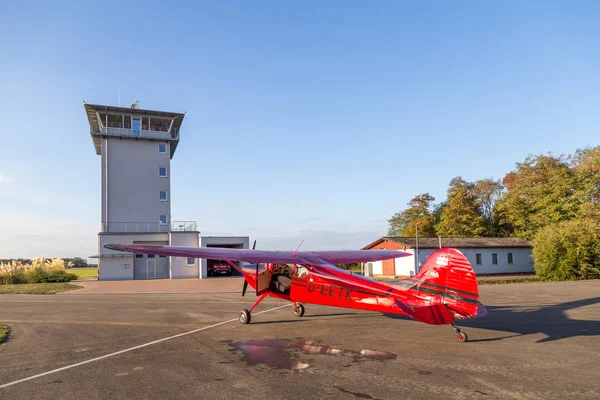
(434, 314)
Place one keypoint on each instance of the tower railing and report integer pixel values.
(149, 227)
(116, 129)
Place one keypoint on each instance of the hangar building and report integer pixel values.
(136, 147)
(488, 256)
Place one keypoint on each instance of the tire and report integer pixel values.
(462, 337)
(299, 310)
(245, 317)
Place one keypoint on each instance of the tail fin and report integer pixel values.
(448, 275)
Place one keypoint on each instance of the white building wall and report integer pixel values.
(121, 268)
(205, 241)
(115, 269)
(521, 260)
(405, 266)
(179, 266)
(377, 268)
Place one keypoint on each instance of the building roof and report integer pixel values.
(434, 243)
(91, 111)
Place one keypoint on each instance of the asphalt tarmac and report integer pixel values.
(539, 341)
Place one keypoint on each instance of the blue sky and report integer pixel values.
(305, 120)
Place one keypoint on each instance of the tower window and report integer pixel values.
(162, 148)
(494, 258)
(162, 195)
(478, 259)
(162, 172)
(510, 258)
(163, 219)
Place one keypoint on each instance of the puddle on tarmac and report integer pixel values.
(283, 353)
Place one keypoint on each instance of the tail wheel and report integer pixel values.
(299, 310)
(245, 317)
(461, 336)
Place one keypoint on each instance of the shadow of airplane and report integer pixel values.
(551, 320)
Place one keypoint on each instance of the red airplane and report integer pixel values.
(444, 290)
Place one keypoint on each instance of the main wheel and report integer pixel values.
(245, 317)
(461, 336)
(299, 310)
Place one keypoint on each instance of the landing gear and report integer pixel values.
(298, 309)
(460, 335)
(245, 317)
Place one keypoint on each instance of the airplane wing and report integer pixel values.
(318, 258)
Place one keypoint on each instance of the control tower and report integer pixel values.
(136, 147)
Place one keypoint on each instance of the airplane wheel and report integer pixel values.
(461, 336)
(245, 317)
(299, 310)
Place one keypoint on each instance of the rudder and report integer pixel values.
(448, 274)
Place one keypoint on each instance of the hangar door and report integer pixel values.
(211, 263)
(148, 266)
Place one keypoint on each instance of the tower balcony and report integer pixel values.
(148, 227)
(146, 132)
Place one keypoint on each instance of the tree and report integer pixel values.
(568, 250)
(461, 217)
(586, 166)
(419, 212)
(487, 191)
(76, 262)
(539, 192)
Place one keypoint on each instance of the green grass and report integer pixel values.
(514, 279)
(84, 273)
(37, 288)
(4, 332)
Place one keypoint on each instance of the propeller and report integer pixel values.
(245, 281)
(245, 287)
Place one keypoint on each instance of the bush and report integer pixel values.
(568, 250)
(37, 272)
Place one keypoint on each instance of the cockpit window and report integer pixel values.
(301, 272)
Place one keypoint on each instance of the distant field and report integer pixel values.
(37, 288)
(84, 273)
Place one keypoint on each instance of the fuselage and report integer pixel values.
(339, 288)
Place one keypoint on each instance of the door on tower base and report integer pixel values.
(151, 268)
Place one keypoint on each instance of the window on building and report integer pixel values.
(139, 256)
(150, 255)
(162, 256)
(191, 261)
(494, 258)
(510, 258)
(478, 259)
(163, 219)
(162, 195)
(162, 148)
(162, 172)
